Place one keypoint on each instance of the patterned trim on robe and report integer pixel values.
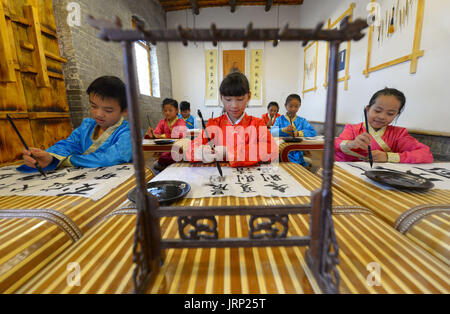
(377, 136)
(296, 132)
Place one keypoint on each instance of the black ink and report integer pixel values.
(22, 189)
(245, 178)
(271, 177)
(6, 176)
(442, 172)
(80, 190)
(243, 170)
(98, 169)
(72, 169)
(246, 187)
(79, 177)
(124, 168)
(106, 176)
(278, 187)
(57, 186)
(218, 189)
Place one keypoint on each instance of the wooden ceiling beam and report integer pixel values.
(233, 5)
(195, 7)
(269, 4)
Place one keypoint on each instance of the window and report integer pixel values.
(147, 68)
(143, 68)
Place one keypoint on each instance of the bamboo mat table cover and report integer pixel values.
(35, 229)
(104, 256)
(424, 217)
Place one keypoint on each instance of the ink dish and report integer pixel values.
(164, 191)
(400, 180)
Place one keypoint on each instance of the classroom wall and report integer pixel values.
(427, 106)
(89, 57)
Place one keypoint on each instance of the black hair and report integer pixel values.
(273, 103)
(389, 92)
(292, 96)
(184, 105)
(234, 84)
(170, 101)
(109, 87)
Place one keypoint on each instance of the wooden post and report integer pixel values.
(147, 244)
(321, 231)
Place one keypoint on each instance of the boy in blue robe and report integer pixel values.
(185, 114)
(292, 125)
(100, 141)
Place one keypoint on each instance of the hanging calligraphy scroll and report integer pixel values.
(396, 30)
(310, 67)
(256, 77)
(344, 52)
(211, 79)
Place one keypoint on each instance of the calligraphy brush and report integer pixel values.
(367, 129)
(209, 141)
(38, 167)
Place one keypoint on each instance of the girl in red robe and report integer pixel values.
(238, 138)
(170, 127)
(389, 143)
(271, 115)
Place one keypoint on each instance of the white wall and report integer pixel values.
(427, 91)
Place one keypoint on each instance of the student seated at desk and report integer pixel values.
(100, 141)
(240, 139)
(170, 127)
(388, 143)
(271, 115)
(185, 114)
(292, 125)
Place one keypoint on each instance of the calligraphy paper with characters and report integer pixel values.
(267, 180)
(93, 183)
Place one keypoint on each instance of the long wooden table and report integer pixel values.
(313, 148)
(34, 230)
(424, 217)
(104, 255)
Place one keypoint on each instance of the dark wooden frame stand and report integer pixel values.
(322, 252)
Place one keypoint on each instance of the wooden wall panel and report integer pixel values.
(47, 132)
(46, 16)
(10, 145)
(32, 85)
(12, 97)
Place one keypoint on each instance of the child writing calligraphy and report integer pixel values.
(238, 138)
(293, 125)
(271, 115)
(103, 140)
(185, 114)
(389, 143)
(170, 127)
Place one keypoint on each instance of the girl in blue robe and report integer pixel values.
(293, 125)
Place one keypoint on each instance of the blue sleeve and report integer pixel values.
(195, 123)
(277, 127)
(308, 129)
(275, 130)
(114, 152)
(73, 144)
